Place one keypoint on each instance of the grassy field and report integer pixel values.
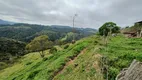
(33, 67)
(80, 61)
(120, 52)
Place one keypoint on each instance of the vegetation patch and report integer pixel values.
(120, 52)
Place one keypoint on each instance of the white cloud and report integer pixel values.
(91, 13)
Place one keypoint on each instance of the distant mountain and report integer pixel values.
(60, 26)
(3, 22)
(26, 32)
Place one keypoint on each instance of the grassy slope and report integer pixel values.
(31, 66)
(85, 69)
(120, 52)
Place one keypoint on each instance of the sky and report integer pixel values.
(90, 13)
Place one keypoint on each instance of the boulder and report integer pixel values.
(134, 72)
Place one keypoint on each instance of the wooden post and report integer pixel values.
(141, 33)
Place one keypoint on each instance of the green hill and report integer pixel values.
(27, 32)
(87, 59)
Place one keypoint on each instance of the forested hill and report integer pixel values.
(26, 32)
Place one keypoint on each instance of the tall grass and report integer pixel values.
(32, 67)
(120, 52)
(82, 68)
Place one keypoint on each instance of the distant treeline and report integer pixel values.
(26, 32)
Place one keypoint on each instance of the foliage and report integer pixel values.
(14, 37)
(36, 68)
(10, 49)
(11, 46)
(70, 36)
(108, 27)
(2, 65)
(138, 26)
(40, 43)
(27, 32)
(53, 50)
(66, 46)
(121, 51)
(82, 68)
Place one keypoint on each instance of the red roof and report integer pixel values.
(129, 32)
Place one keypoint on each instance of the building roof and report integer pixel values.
(129, 32)
(139, 22)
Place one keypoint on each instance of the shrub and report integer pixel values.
(28, 63)
(112, 73)
(66, 46)
(53, 50)
(2, 65)
(45, 58)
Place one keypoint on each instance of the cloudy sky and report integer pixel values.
(91, 13)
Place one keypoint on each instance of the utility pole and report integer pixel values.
(75, 15)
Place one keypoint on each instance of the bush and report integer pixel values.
(28, 63)
(113, 73)
(2, 65)
(45, 58)
(53, 50)
(66, 46)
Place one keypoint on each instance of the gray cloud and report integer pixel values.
(91, 13)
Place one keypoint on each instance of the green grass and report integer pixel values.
(120, 52)
(33, 67)
(85, 69)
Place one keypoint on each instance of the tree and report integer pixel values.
(108, 28)
(138, 27)
(10, 48)
(39, 44)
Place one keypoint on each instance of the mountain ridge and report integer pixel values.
(4, 22)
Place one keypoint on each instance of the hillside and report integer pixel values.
(31, 66)
(9, 50)
(15, 37)
(27, 32)
(88, 58)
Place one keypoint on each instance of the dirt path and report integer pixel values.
(71, 61)
(96, 63)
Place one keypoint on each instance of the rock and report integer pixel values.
(134, 72)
